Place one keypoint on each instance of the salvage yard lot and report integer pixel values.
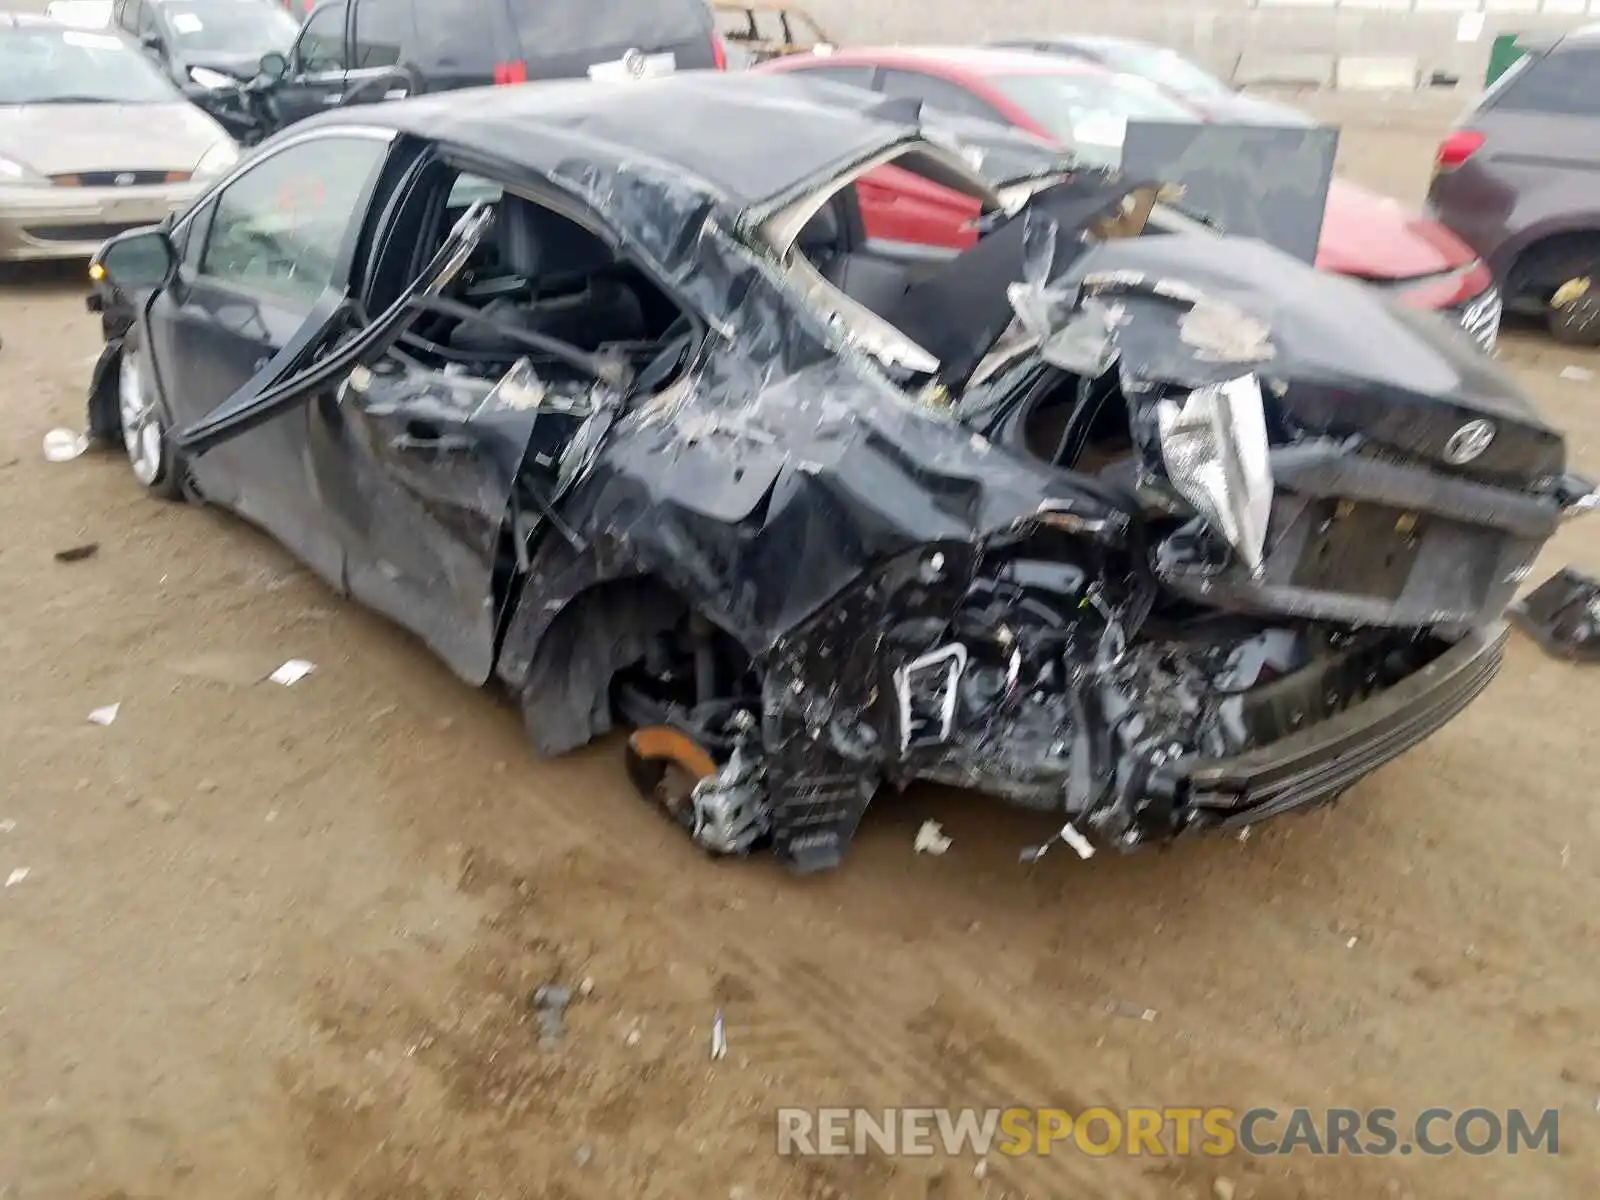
(279, 942)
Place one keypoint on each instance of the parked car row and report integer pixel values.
(1500, 220)
(1076, 101)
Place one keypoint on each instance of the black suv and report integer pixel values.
(448, 44)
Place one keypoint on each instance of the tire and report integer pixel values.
(1577, 321)
(144, 425)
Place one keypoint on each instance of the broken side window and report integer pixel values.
(544, 287)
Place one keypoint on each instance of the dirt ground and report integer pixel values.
(279, 942)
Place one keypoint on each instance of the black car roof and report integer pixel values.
(742, 139)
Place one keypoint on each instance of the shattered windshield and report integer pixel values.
(68, 66)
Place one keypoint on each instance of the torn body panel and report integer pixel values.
(1171, 531)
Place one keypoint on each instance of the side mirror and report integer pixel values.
(273, 65)
(135, 261)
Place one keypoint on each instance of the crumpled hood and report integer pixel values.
(1339, 358)
(58, 139)
(239, 65)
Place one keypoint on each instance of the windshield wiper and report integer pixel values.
(74, 100)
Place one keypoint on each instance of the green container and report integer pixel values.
(1502, 54)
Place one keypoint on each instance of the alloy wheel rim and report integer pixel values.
(141, 427)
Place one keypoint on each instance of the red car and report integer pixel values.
(1364, 235)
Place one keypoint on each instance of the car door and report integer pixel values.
(413, 484)
(319, 63)
(266, 264)
(423, 467)
(459, 43)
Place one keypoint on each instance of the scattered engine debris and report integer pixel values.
(292, 672)
(931, 839)
(64, 445)
(550, 1001)
(1562, 614)
(719, 1038)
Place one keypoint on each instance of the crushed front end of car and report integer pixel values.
(1311, 508)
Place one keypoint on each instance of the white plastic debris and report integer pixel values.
(106, 715)
(64, 445)
(1068, 834)
(1577, 374)
(292, 672)
(1077, 841)
(931, 839)
(1136, 1011)
(7, 825)
(16, 876)
(719, 1039)
(1351, 944)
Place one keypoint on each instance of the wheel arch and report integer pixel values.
(1531, 268)
(569, 634)
(105, 416)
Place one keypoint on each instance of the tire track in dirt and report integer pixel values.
(884, 1036)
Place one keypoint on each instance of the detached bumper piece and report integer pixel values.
(1562, 614)
(1316, 765)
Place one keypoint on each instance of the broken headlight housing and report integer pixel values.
(1214, 446)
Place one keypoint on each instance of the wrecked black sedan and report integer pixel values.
(1144, 527)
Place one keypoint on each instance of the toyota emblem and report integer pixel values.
(1468, 442)
(634, 64)
(125, 179)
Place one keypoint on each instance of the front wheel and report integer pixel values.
(144, 428)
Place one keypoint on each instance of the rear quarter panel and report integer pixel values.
(1535, 175)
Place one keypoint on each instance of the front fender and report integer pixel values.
(104, 421)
